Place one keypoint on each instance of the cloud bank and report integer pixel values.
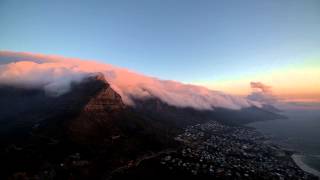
(54, 74)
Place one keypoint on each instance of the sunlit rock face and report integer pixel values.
(106, 100)
(97, 118)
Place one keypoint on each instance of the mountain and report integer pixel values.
(156, 109)
(65, 118)
(89, 131)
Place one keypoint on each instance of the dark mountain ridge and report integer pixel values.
(181, 117)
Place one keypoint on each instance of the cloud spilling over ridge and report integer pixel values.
(54, 74)
(54, 78)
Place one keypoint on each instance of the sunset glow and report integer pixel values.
(292, 83)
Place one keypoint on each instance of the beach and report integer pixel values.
(298, 159)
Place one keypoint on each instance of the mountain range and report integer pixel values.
(92, 127)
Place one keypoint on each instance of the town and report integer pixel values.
(231, 152)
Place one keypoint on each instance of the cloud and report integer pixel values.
(260, 87)
(262, 93)
(54, 78)
(54, 74)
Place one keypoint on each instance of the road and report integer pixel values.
(137, 162)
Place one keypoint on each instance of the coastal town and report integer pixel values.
(231, 152)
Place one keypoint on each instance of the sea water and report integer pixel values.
(299, 132)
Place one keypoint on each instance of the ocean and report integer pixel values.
(299, 132)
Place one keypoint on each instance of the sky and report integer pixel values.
(222, 45)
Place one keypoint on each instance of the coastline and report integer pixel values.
(296, 156)
(298, 159)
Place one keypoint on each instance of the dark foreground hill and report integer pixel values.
(89, 132)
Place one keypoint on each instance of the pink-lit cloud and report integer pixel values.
(54, 74)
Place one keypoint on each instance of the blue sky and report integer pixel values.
(184, 40)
